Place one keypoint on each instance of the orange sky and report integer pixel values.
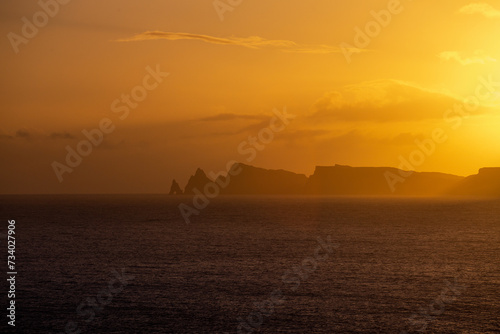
(226, 77)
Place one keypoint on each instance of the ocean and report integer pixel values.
(131, 264)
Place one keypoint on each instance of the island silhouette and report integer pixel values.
(341, 180)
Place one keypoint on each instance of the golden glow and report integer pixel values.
(227, 76)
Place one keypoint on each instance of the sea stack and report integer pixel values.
(197, 181)
(175, 189)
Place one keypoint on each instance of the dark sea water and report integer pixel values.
(395, 265)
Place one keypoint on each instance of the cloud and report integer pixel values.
(231, 117)
(307, 134)
(253, 42)
(405, 138)
(22, 133)
(19, 134)
(61, 135)
(479, 57)
(480, 8)
(252, 128)
(381, 101)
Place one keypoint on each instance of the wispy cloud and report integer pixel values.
(61, 135)
(230, 117)
(480, 8)
(21, 134)
(253, 42)
(479, 57)
(25, 134)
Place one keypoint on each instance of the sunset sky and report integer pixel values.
(359, 105)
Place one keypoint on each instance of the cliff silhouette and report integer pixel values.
(372, 181)
(258, 181)
(486, 183)
(342, 180)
